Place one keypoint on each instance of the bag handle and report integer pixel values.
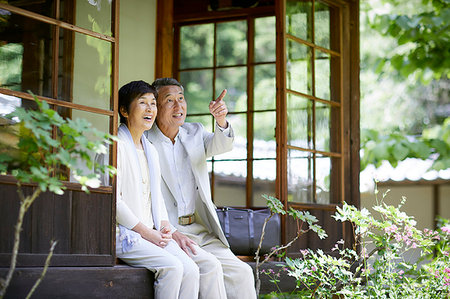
(251, 230)
(226, 220)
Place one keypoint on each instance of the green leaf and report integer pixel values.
(274, 204)
(400, 151)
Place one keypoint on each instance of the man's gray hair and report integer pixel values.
(160, 82)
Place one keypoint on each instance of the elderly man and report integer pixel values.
(183, 149)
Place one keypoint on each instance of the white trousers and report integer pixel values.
(222, 274)
(176, 275)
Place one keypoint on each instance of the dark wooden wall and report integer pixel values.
(80, 222)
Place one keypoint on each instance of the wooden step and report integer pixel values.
(120, 281)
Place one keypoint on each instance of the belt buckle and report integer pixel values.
(186, 220)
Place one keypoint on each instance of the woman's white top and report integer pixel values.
(146, 204)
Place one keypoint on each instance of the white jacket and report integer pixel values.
(199, 144)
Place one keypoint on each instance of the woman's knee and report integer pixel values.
(214, 264)
(173, 270)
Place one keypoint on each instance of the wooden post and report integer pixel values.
(164, 39)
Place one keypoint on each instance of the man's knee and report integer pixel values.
(191, 271)
(211, 265)
(242, 272)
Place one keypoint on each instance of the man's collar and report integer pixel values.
(160, 135)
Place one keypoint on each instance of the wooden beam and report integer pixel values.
(164, 39)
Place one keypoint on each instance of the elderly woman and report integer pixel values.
(144, 236)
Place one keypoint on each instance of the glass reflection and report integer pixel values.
(322, 75)
(300, 121)
(231, 43)
(300, 176)
(265, 39)
(230, 183)
(323, 127)
(92, 15)
(264, 173)
(25, 55)
(9, 127)
(323, 167)
(298, 67)
(299, 18)
(199, 39)
(322, 24)
(88, 75)
(234, 79)
(264, 145)
(42, 7)
(197, 90)
(264, 92)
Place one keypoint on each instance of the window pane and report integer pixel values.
(9, 104)
(300, 122)
(264, 174)
(25, 55)
(323, 127)
(231, 43)
(99, 122)
(322, 24)
(205, 120)
(197, 90)
(323, 179)
(264, 90)
(10, 128)
(92, 15)
(322, 75)
(198, 40)
(234, 79)
(299, 19)
(230, 183)
(328, 179)
(239, 125)
(90, 73)
(42, 7)
(300, 176)
(264, 145)
(264, 39)
(298, 67)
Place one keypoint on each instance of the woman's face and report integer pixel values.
(141, 113)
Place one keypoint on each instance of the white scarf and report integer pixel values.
(126, 236)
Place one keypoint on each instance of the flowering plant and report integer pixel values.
(390, 258)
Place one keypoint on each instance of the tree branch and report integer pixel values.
(47, 264)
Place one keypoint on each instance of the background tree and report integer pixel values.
(405, 81)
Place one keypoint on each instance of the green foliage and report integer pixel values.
(274, 204)
(424, 37)
(39, 155)
(387, 271)
(394, 147)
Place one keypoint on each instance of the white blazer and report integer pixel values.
(200, 145)
(129, 182)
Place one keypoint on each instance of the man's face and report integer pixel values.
(171, 107)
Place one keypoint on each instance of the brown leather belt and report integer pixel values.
(186, 220)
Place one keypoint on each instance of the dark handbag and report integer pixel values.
(243, 227)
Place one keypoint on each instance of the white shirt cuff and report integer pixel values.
(225, 131)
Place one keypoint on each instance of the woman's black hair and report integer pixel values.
(132, 91)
